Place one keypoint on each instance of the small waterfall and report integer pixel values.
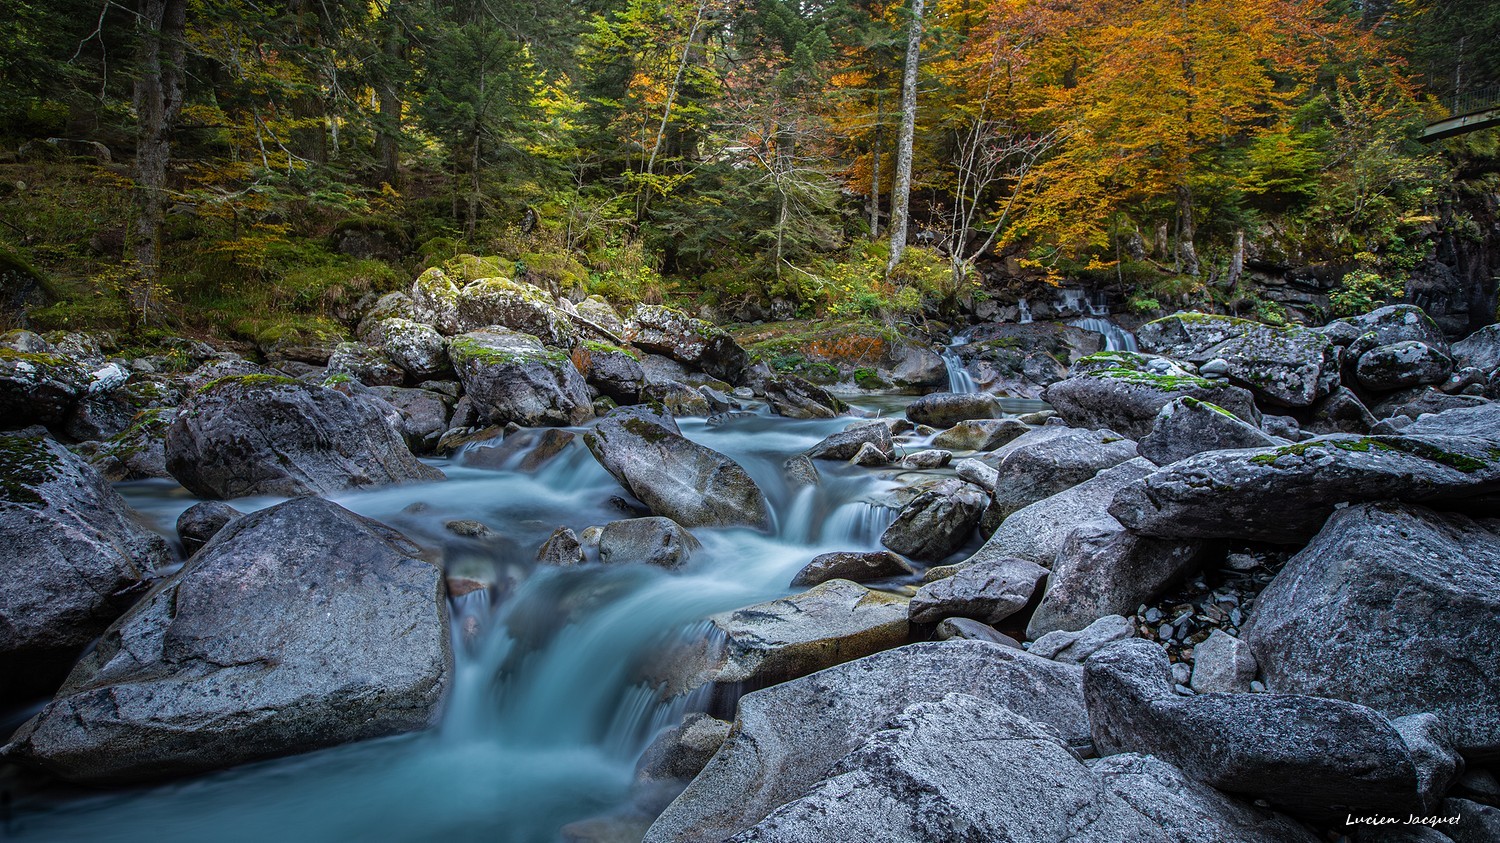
(1025, 307)
(959, 379)
(1070, 300)
(858, 523)
(1115, 337)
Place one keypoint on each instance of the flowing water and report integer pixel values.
(959, 379)
(1115, 337)
(544, 720)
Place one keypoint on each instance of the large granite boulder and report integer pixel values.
(1049, 460)
(1313, 756)
(1481, 349)
(516, 305)
(687, 340)
(787, 737)
(1482, 422)
(1036, 533)
(796, 398)
(674, 476)
(38, 386)
(980, 434)
(1284, 494)
(511, 377)
(75, 559)
(649, 541)
(989, 590)
(416, 347)
(1126, 397)
(937, 522)
(852, 565)
(296, 627)
(362, 363)
(1392, 324)
(270, 435)
(1188, 426)
(1390, 606)
(845, 444)
(616, 372)
(946, 409)
(1291, 366)
(1190, 336)
(1400, 365)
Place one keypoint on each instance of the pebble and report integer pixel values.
(1181, 673)
(1183, 690)
(1258, 687)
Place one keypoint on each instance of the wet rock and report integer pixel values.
(298, 626)
(1188, 426)
(977, 473)
(983, 772)
(846, 443)
(1309, 755)
(1392, 324)
(1384, 608)
(1037, 532)
(1223, 663)
(202, 521)
(870, 456)
(651, 541)
(980, 434)
(362, 363)
(512, 377)
(677, 478)
(1075, 647)
(1050, 460)
(1102, 569)
(1402, 364)
(562, 548)
(937, 522)
(928, 459)
(681, 752)
(1480, 349)
(139, 451)
(1285, 494)
(267, 435)
(614, 371)
(75, 558)
(787, 737)
(687, 340)
(800, 471)
(946, 409)
(37, 387)
(418, 349)
(854, 566)
(424, 415)
(1126, 398)
(796, 398)
(989, 590)
(966, 629)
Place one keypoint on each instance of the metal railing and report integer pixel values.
(1475, 100)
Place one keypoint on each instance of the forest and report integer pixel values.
(251, 170)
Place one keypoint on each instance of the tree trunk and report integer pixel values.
(875, 174)
(388, 90)
(1236, 259)
(158, 102)
(1187, 250)
(901, 197)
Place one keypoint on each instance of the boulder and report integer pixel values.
(1187, 426)
(1291, 366)
(796, 398)
(512, 377)
(980, 434)
(1189, 336)
(269, 435)
(977, 473)
(651, 541)
(989, 590)
(296, 627)
(360, 362)
(957, 768)
(1433, 401)
(562, 549)
(1037, 532)
(598, 310)
(1480, 422)
(1101, 569)
(1285, 494)
(687, 340)
(1052, 459)
(1385, 607)
(75, 558)
(854, 566)
(870, 456)
(1400, 365)
(676, 398)
(38, 387)
(417, 348)
(1480, 349)
(397, 305)
(787, 737)
(965, 629)
(1127, 399)
(140, 450)
(516, 305)
(946, 409)
(615, 372)
(1341, 412)
(681, 752)
(1076, 647)
(1309, 755)
(1476, 823)
(937, 522)
(927, 460)
(1223, 664)
(674, 476)
(423, 415)
(202, 521)
(1392, 324)
(846, 443)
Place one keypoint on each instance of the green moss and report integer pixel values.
(49, 362)
(337, 379)
(1168, 382)
(1189, 401)
(467, 348)
(606, 348)
(1396, 444)
(24, 465)
(248, 381)
(866, 378)
(648, 431)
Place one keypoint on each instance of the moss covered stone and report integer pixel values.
(24, 465)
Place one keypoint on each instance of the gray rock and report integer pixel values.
(512, 377)
(800, 471)
(687, 340)
(1384, 608)
(870, 456)
(1433, 401)
(1188, 426)
(937, 522)
(958, 768)
(681, 752)
(1481, 422)
(1284, 427)
(397, 305)
(677, 478)
(202, 521)
(787, 737)
(977, 473)
(1223, 663)
(1290, 366)
(1101, 569)
(980, 434)
(139, 451)
(1126, 399)
(854, 566)
(516, 305)
(946, 409)
(928, 459)
(990, 590)
(1392, 324)
(1341, 412)
(297, 627)
(1477, 823)
(75, 559)
(1037, 532)
(796, 398)
(418, 349)
(615, 372)
(1309, 755)
(38, 387)
(424, 415)
(1075, 647)
(562, 548)
(1190, 811)
(676, 398)
(1402, 364)
(266, 435)
(966, 629)
(362, 363)
(1190, 336)
(845, 444)
(651, 541)
(1050, 460)
(1480, 349)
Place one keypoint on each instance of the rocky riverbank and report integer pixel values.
(1243, 584)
